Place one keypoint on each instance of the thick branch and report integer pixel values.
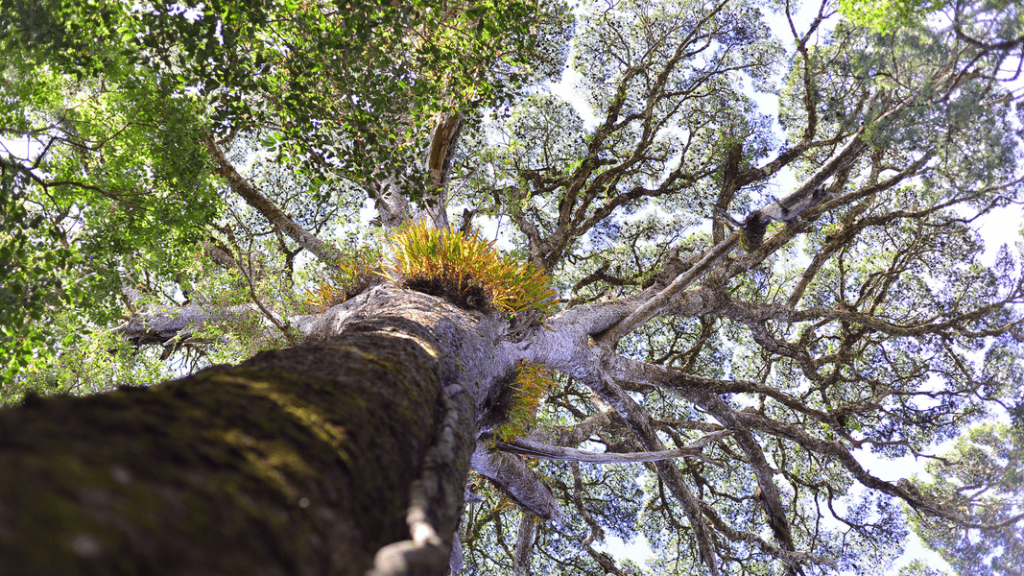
(531, 449)
(525, 540)
(268, 209)
(655, 305)
(511, 474)
(639, 423)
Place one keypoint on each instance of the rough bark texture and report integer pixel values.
(519, 481)
(524, 544)
(298, 461)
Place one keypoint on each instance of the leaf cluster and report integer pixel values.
(983, 474)
(349, 278)
(465, 269)
(532, 386)
(886, 15)
(33, 267)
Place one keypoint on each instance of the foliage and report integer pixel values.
(113, 102)
(885, 15)
(86, 363)
(30, 277)
(919, 568)
(110, 176)
(608, 202)
(465, 269)
(983, 474)
(459, 266)
(350, 277)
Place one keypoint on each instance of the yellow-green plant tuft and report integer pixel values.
(352, 276)
(532, 386)
(468, 271)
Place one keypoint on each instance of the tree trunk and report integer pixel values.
(299, 461)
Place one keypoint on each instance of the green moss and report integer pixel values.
(228, 470)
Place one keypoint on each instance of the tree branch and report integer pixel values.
(239, 185)
(532, 449)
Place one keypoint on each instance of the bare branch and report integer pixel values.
(532, 449)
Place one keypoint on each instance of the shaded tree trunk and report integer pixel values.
(299, 461)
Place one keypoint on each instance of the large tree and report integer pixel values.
(742, 303)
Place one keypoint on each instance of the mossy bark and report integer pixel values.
(296, 462)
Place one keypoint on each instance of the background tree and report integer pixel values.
(712, 380)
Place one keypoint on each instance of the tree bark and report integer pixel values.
(300, 461)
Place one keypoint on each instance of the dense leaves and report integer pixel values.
(106, 107)
(984, 474)
(31, 267)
